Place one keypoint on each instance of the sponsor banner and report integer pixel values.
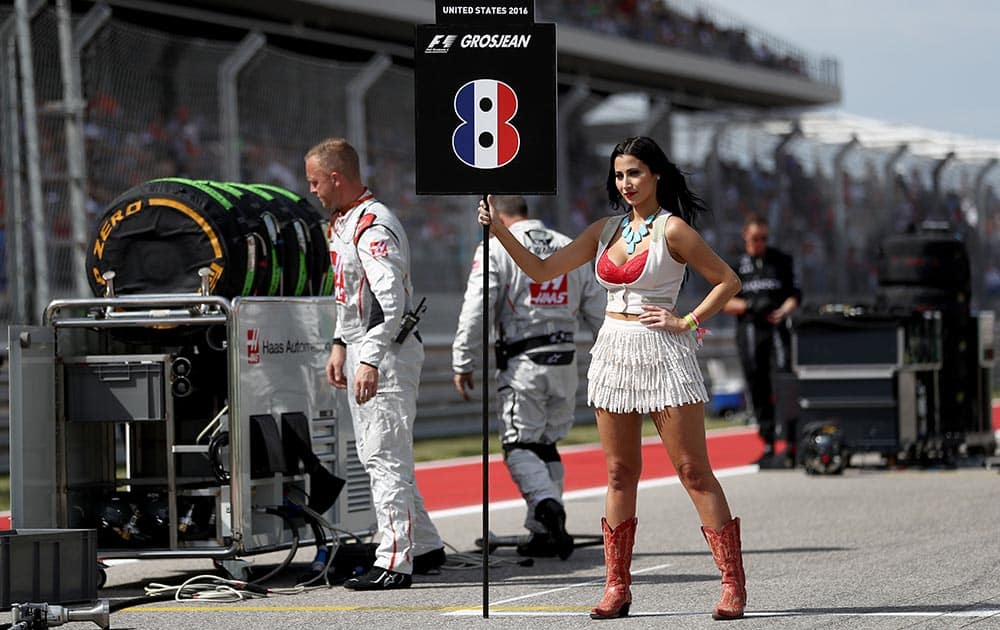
(486, 109)
(282, 362)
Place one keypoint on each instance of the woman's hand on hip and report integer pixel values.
(657, 318)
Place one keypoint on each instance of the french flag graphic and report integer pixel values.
(486, 139)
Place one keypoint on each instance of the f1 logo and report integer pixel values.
(441, 43)
(486, 139)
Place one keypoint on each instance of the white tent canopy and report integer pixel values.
(837, 127)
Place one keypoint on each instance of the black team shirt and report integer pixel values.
(768, 281)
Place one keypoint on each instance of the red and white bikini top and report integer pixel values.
(625, 274)
(652, 277)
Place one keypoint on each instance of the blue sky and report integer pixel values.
(930, 63)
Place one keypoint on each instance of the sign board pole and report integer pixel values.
(485, 124)
(486, 420)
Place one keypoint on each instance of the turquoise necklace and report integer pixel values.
(634, 237)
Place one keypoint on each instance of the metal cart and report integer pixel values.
(168, 423)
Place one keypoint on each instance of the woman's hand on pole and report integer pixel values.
(488, 216)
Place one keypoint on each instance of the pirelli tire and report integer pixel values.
(255, 239)
(270, 236)
(314, 227)
(157, 235)
(297, 235)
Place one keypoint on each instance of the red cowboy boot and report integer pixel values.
(618, 560)
(725, 545)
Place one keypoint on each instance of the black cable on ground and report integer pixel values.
(324, 552)
(283, 514)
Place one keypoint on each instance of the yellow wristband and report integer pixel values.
(691, 320)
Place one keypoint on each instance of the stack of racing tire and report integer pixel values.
(255, 240)
(928, 269)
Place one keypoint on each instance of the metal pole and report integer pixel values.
(357, 89)
(985, 247)
(229, 118)
(890, 184)
(938, 169)
(714, 172)
(659, 110)
(88, 27)
(73, 107)
(840, 217)
(779, 152)
(12, 174)
(30, 122)
(567, 108)
(486, 420)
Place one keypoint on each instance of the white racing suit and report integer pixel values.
(537, 390)
(370, 255)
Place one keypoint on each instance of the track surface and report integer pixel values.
(584, 469)
(874, 548)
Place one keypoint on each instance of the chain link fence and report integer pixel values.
(153, 109)
(156, 105)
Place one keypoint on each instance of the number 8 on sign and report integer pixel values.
(485, 139)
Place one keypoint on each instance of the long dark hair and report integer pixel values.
(672, 192)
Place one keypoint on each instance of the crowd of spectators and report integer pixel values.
(132, 141)
(657, 22)
(800, 202)
(796, 200)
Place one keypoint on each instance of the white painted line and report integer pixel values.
(964, 614)
(595, 582)
(586, 493)
(577, 448)
(875, 613)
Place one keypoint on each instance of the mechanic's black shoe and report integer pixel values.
(538, 546)
(790, 459)
(771, 462)
(379, 579)
(430, 561)
(551, 514)
(768, 459)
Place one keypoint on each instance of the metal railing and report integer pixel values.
(696, 27)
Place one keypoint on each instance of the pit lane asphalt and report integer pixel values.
(874, 548)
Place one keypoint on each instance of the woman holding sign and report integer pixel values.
(644, 359)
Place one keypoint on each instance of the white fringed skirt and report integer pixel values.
(633, 368)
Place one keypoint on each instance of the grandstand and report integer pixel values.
(115, 93)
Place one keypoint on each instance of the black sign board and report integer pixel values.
(486, 107)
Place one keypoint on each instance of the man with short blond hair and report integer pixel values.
(376, 359)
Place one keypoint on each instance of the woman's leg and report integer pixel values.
(621, 437)
(621, 440)
(682, 430)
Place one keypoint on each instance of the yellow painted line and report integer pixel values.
(441, 609)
